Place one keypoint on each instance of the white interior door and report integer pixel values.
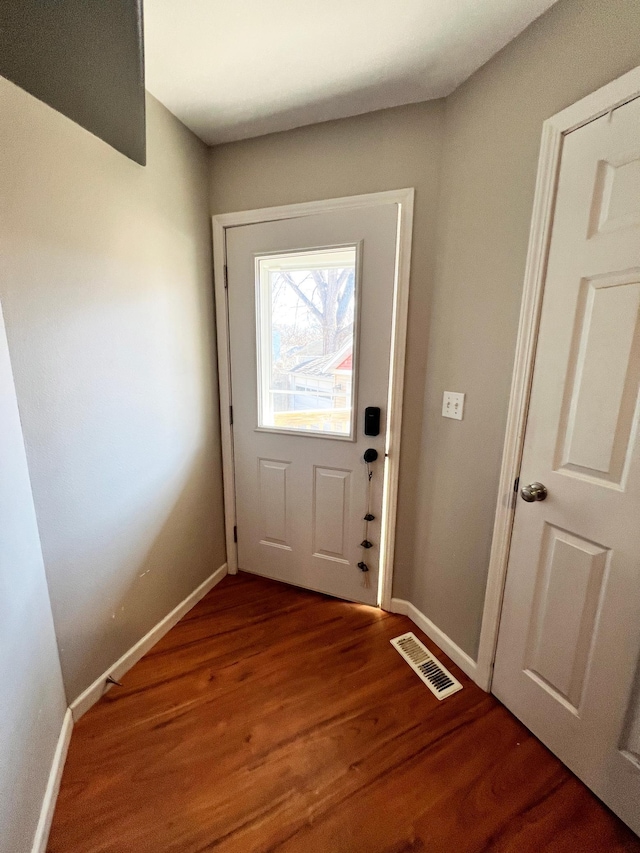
(569, 644)
(310, 303)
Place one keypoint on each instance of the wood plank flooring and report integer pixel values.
(274, 719)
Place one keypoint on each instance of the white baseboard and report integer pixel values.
(99, 687)
(53, 786)
(457, 655)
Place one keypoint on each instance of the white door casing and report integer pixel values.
(568, 656)
(309, 479)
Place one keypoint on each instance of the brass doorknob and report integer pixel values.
(533, 492)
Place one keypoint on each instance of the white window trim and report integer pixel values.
(263, 327)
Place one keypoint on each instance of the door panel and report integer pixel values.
(310, 303)
(601, 395)
(565, 604)
(569, 641)
(272, 480)
(617, 190)
(330, 513)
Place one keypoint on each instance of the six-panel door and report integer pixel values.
(569, 644)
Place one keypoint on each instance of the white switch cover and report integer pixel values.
(452, 405)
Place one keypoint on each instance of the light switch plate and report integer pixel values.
(453, 405)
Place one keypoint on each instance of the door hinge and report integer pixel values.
(231, 415)
(235, 534)
(516, 483)
(226, 276)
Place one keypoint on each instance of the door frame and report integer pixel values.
(554, 129)
(404, 198)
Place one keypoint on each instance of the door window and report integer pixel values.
(306, 341)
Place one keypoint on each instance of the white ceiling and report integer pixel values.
(232, 69)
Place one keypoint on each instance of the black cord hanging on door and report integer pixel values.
(370, 456)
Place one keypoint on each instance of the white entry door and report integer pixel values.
(568, 658)
(310, 303)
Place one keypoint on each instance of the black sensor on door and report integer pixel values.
(372, 420)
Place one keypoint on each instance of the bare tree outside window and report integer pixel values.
(330, 302)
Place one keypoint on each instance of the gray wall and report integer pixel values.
(84, 59)
(32, 700)
(105, 279)
(472, 159)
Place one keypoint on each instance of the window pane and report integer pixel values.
(305, 322)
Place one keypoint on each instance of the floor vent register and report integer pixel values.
(437, 678)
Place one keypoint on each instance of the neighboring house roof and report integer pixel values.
(347, 364)
(325, 365)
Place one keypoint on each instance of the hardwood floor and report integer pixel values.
(273, 719)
